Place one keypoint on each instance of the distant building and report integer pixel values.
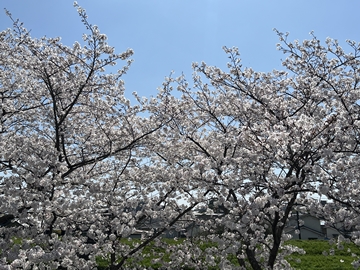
(306, 226)
(311, 227)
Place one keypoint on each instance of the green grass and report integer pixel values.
(320, 254)
(314, 259)
(147, 253)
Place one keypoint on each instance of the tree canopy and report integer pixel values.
(82, 169)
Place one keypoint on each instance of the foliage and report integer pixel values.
(82, 169)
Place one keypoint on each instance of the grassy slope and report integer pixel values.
(313, 259)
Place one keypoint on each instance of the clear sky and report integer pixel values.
(171, 34)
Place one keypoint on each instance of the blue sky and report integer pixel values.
(171, 34)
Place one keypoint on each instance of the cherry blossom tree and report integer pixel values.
(262, 144)
(337, 72)
(81, 169)
(73, 159)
